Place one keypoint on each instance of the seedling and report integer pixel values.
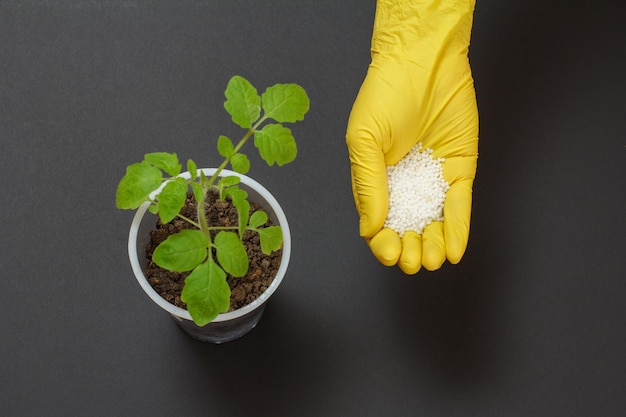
(157, 180)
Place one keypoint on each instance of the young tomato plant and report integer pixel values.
(157, 180)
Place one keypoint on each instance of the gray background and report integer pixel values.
(531, 322)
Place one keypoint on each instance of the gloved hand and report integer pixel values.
(418, 88)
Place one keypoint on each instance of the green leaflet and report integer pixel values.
(285, 103)
(225, 146)
(242, 102)
(198, 193)
(140, 181)
(181, 252)
(271, 238)
(276, 144)
(192, 168)
(257, 219)
(229, 181)
(226, 183)
(172, 199)
(206, 292)
(240, 163)
(239, 198)
(231, 254)
(168, 162)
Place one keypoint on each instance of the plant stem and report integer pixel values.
(242, 142)
(204, 226)
(188, 220)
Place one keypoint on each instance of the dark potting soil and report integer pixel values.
(244, 290)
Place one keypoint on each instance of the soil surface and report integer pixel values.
(244, 290)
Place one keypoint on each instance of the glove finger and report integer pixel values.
(386, 247)
(369, 186)
(457, 212)
(369, 178)
(459, 172)
(433, 246)
(410, 261)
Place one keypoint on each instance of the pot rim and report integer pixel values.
(183, 313)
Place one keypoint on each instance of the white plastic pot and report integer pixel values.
(226, 326)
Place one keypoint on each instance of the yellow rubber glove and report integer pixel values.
(418, 88)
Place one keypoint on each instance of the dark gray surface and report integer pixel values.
(531, 322)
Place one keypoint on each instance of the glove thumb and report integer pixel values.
(369, 180)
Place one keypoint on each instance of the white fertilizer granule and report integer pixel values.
(417, 190)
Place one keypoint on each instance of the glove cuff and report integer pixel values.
(418, 28)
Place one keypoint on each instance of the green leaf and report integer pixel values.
(237, 194)
(276, 144)
(225, 146)
(168, 162)
(231, 253)
(171, 199)
(181, 252)
(193, 169)
(206, 292)
(239, 198)
(204, 181)
(285, 103)
(240, 163)
(140, 181)
(271, 239)
(258, 219)
(229, 181)
(243, 102)
(225, 183)
(198, 193)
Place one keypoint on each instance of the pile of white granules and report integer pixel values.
(417, 190)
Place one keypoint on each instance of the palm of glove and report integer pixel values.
(427, 97)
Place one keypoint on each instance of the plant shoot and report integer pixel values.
(210, 256)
